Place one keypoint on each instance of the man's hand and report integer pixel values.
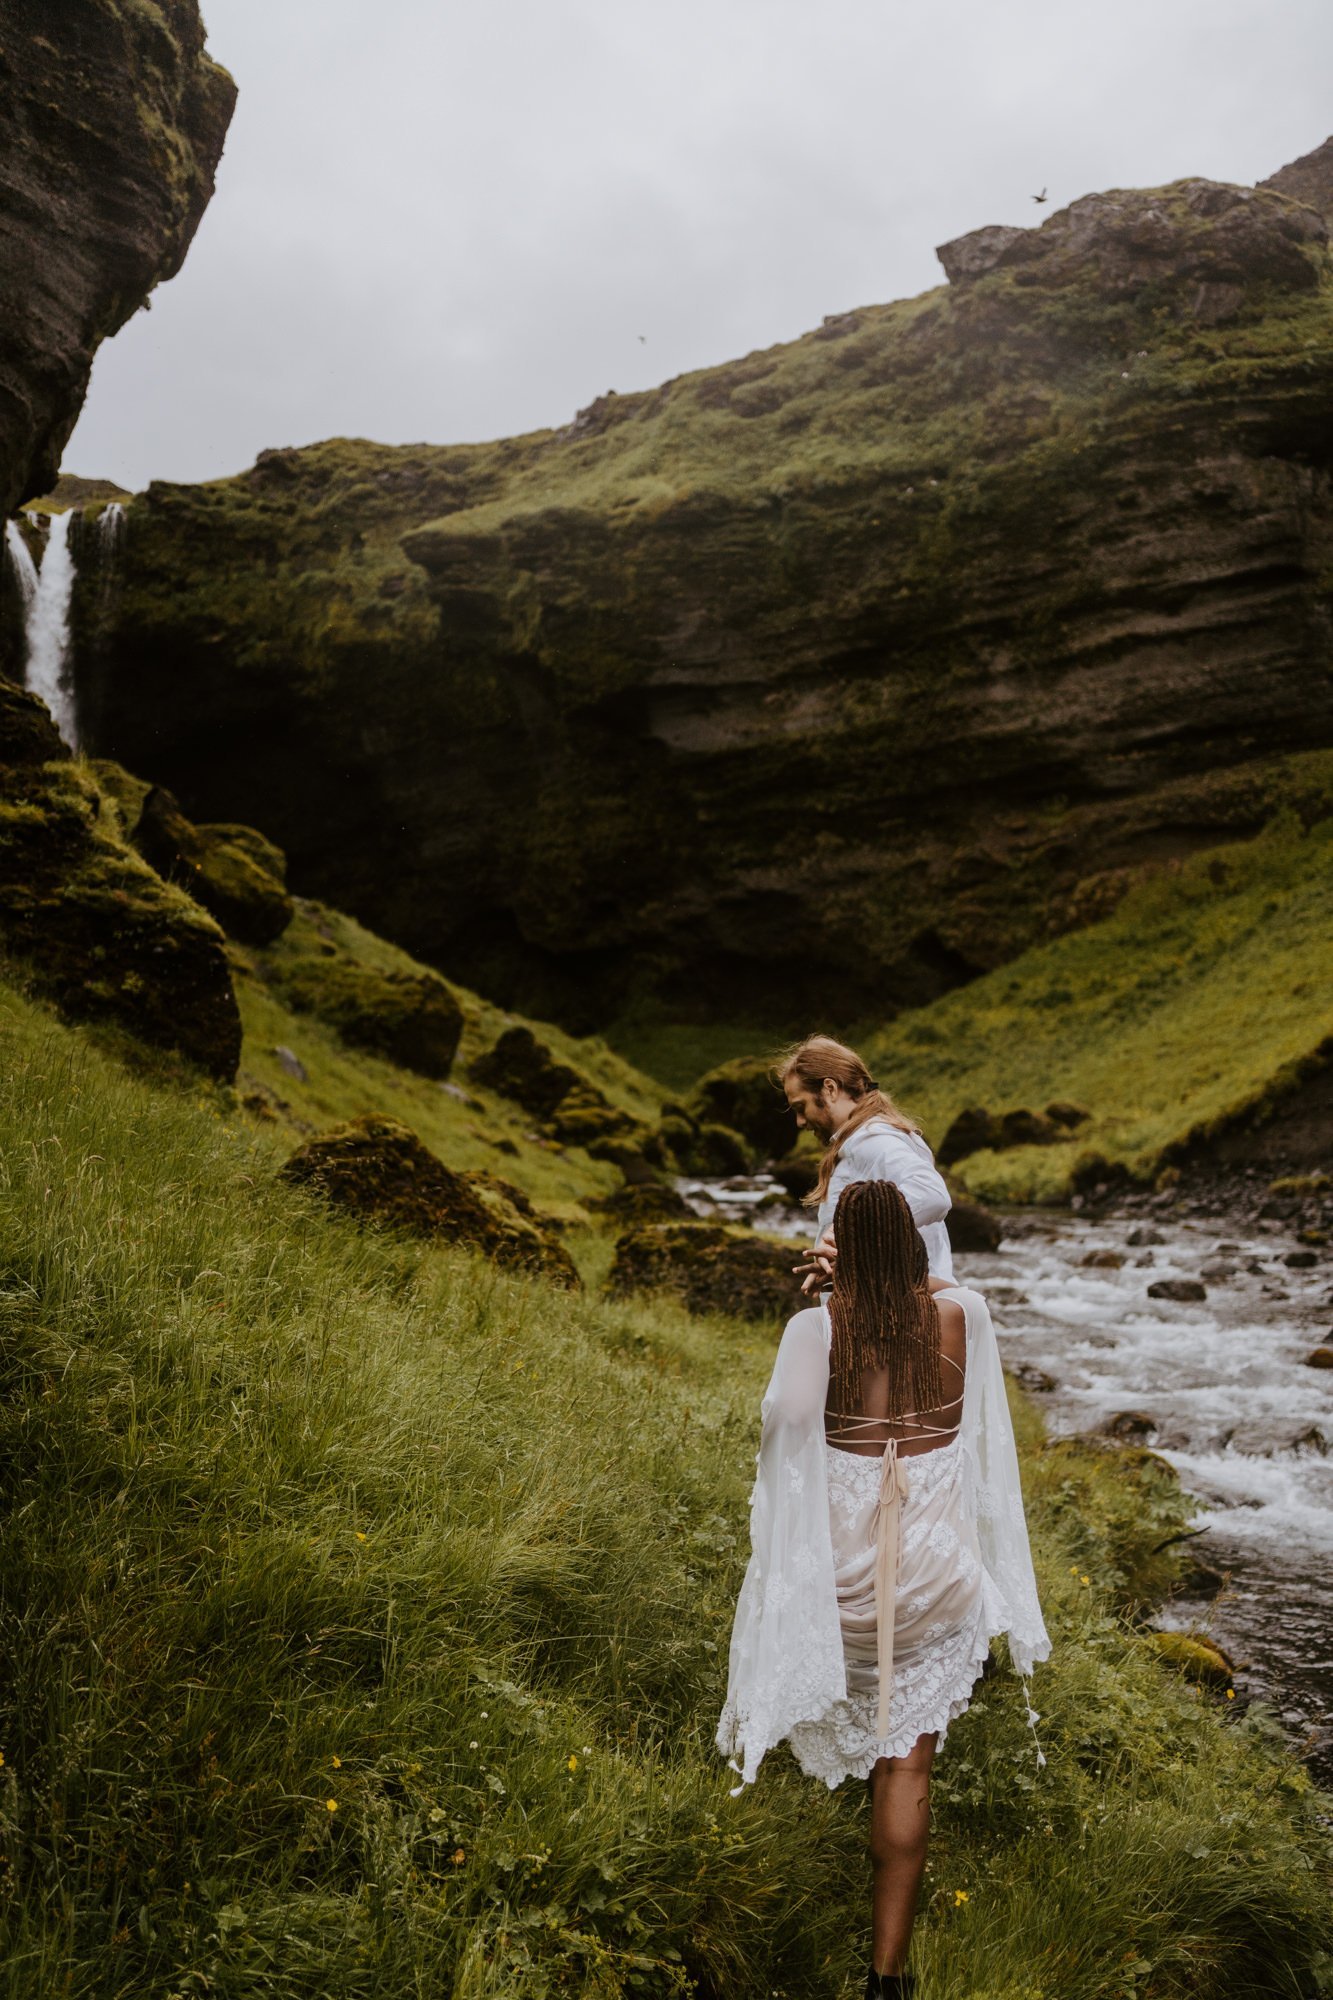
(816, 1272)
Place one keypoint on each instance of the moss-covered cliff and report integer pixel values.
(857, 665)
(114, 123)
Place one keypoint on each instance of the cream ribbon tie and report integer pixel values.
(894, 1487)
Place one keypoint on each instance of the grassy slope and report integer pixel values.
(343, 1081)
(1207, 987)
(365, 1615)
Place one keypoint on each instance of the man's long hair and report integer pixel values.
(818, 1057)
(882, 1311)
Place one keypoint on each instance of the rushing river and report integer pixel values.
(1220, 1387)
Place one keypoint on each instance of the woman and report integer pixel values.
(865, 1138)
(889, 1545)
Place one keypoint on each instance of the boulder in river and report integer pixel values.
(1102, 1260)
(380, 1171)
(1130, 1425)
(1320, 1357)
(1184, 1291)
(1300, 1260)
(973, 1228)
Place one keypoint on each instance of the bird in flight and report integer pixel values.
(1040, 197)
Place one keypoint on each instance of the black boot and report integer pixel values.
(889, 1985)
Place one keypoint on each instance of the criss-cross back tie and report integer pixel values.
(894, 1487)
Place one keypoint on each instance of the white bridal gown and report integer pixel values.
(946, 1524)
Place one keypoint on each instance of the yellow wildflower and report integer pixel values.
(1231, 1696)
(959, 1896)
(1083, 1579)
(573, 1763)
(330, 1805)
(458, 1857)
(337, 1763)
(361, 1538)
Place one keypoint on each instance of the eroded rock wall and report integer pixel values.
(849, 668)
(114, 120)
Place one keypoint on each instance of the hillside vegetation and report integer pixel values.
(1202, 1000)
(365, 1614)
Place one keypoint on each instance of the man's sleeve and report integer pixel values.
(890, 1158)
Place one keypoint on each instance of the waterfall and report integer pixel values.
(46, 622)
(110, 530)
(24, 568)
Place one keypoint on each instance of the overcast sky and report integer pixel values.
(454, 219)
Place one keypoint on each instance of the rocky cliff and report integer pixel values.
(114, 123)
(854, 666)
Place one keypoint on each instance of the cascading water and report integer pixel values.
(23, 566)
(46, 593)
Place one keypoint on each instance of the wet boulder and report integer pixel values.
(710, 1269)
(1321, 1356)
(1102, 1260)
(1183, 1291)
(973, 1228)
(379, 1171)
(1131, 1426)
(238, 880)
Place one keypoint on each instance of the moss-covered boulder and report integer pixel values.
(568, 1106)
(742, 1096)
(975, 1129)
(379, 1171)
(100, 932)
(1199, 1660)
(239, 879)
(412, 1018)
(973, 1227)
(523, 1068)
(647, 1201)
(711, 1269)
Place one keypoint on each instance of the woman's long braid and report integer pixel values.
(882, 1311)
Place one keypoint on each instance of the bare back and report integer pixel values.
(868, 1429)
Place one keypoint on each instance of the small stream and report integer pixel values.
(1219, 1387)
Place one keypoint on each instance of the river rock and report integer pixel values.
(973, 1228)
(798, 1174)
(1185, 1291)
(1143, 1236)
(1300, 1260)
(718, 689)
(114, 122)
(1130, 1425)
(1102, 1260)
(1034, 1379)
(1217, 1272)
(1199, 1660)
(710, 1269)
(1320, 1357)
(379, 1170)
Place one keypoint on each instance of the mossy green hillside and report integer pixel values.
(365, 1613)
(1200, 1001)
(471, 1127)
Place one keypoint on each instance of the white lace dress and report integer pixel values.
(805, 1648)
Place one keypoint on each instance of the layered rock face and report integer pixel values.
(850, 668)
(114, 123)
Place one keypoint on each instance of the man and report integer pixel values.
(866, 1138)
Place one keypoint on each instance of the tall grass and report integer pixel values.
(365, 1615)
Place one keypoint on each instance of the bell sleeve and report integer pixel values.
(786, 1661)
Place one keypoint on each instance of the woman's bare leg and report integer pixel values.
(899, 1825)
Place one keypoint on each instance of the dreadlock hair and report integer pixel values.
(882, 1311)
(813, 1061)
